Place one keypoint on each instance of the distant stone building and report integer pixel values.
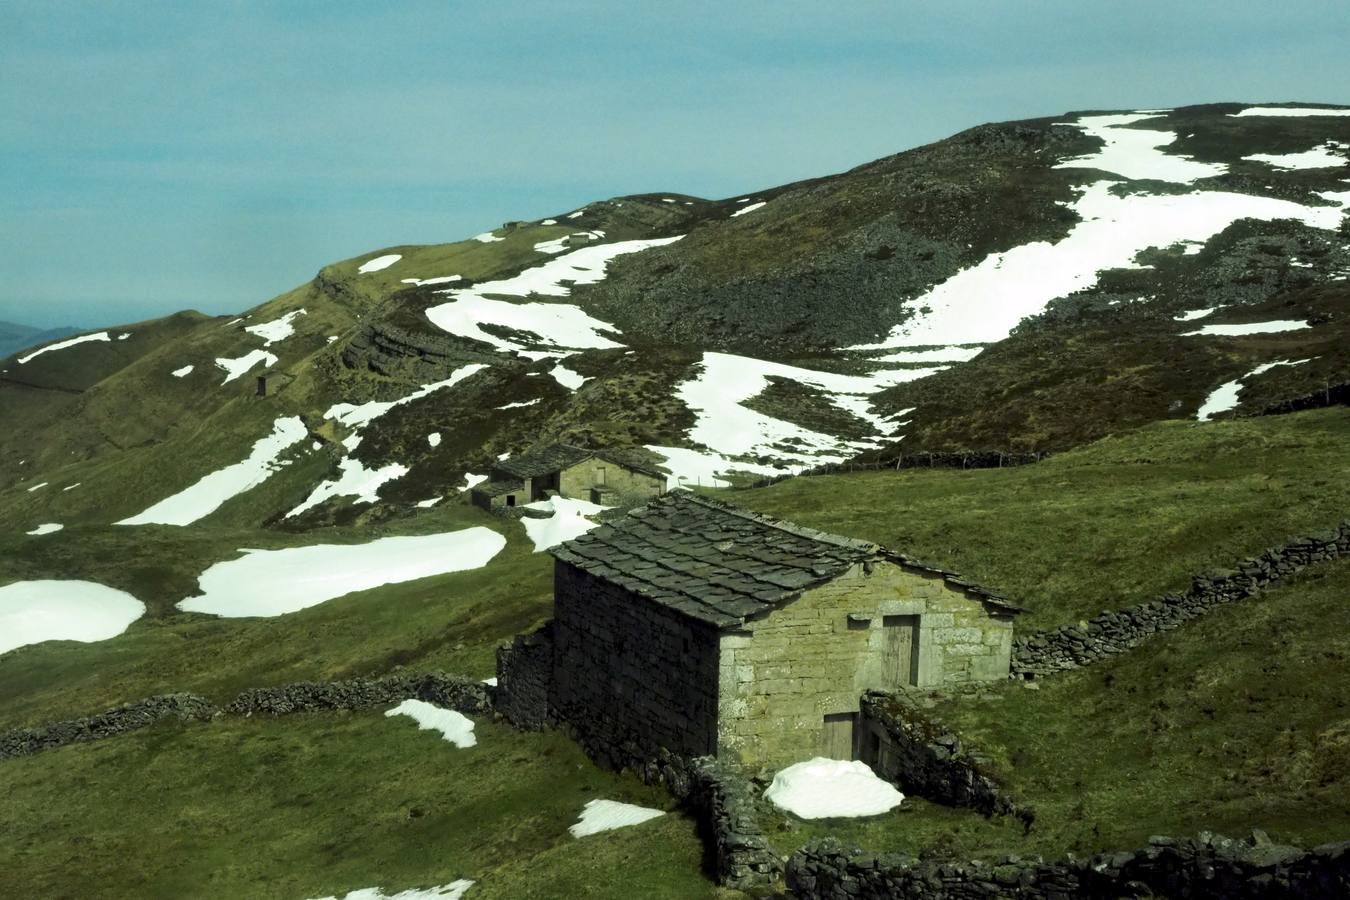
(696, 627)
(271, 382)
(607, 477)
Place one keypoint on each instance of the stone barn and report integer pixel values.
(607, 477)
(696, 627)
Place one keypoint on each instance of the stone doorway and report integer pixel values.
(900, 650)
(837, 735)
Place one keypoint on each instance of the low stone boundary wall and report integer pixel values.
(1208, 866)
(1072, 646)
(937, 459)
(450, 691)
(724, 803)
(1331, 395)
(924, 758)
(119, 720)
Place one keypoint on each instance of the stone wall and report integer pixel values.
(915, 751)
(937, 459)
(816, 655)
(630, 678)
(1208, 867)
(450, 691)
(1331, 395)
(120, 720)
(524, 673)
(1071, 646)
(576, 481)
(725, 806)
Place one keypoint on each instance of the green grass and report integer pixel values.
(453, 621)
(1235, 721)
(316, 805)
(1107, 526)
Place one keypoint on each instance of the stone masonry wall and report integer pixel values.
(119, 720)
(524, 673)
(576, 481)
(723, 802)
(1071, 646)
(630, 678)
(816, 655)
(915, 751)
(1208, 867)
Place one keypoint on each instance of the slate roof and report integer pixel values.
(556, 457)
(499, 487)
(721, 564)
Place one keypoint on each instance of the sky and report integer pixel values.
(157, 156)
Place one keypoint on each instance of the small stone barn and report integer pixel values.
(601, 476)
(697, 627)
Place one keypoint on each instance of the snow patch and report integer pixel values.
(1273, 327)
(487, 237)
(275, 582)
(434, 439)
(277, 329)
(234, 367)
(354, 480)
(62, 345)
(211, 491)
(1194, 314)
(439, 279)
(358, 415)
(36, 611)
(1322, 157)
(832, 789)
(378, 263)
(520, 403)
(941, 354)
(427, 503)
(1225, 396)
(607, 815)
(179, 373)
(567, 378)
(452, 891)
(455, 727)
(569, 520)
(47, 528)
(1134, 153)
(748, 209)
(71, 487)
(1286, 111)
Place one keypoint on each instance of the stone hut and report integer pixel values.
(699, 628)
(271, 382)
(607, 477)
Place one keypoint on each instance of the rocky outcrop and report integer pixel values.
(1209, 866)
(120, 720)
(915, 751)
(1072, 646)
(450, 691)
(398, 352)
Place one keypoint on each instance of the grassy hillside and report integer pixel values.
(310, 806)
(1235, 721)
(1115, 523)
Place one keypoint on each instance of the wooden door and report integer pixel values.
(900, 651)
(837, 735)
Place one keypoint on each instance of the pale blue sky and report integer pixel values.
(157, 156)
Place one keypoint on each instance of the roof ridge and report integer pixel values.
(801, 531)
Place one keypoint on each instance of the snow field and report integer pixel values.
(832, 789)
(567, 378)
(46, 610)
(455, 727)
(1323, 157)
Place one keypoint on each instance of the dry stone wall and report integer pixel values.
(914, 750)
(725, 804)
(451, 691)
(1072, 646)
(524, 673)
(1207, 867)
(119, 720)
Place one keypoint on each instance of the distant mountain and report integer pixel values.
(15, 337)
(1022, 286)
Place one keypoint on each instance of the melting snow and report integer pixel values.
(124, 336)
(179, 373)
(354, 480)
(71, 487)
(549, 222)
(558, 324)
(705, 467)
(211, 491)
(487, 237)
(455, 727)
(358, 416)
(239, 365)
(471, 479)
(274, 582)
(1194, 314)
(68, 342)
(832, 789)
(427, 503)
(1322, 157)
(568, 520)
(747, 209)
(434, 439)
(941, 354)
(378, 263)
(606, 815)
(1113, 232)
(578, 213)
(277, 329)
(520, 403)
(1134, 153)
(439, 279)
(36, 611)
(1299, 111)
(452, 891)
(37, 486)
(1225, 396)
(567, 378)
(48, 528)
(1250, 328)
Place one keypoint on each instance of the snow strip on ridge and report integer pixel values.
(1274, 327)
(1225, 396)
(455, 727)
(832, 788)
(68, 342)
(557, 324)
(241, 364)
(1298, 111)
(487, 237)
(277, 329)
(211, 491)
(1194, 314)
(748, 209)
(606, 815)
(47, 528)
(378, 263)
(1320, 157)
(275, 582)
(35, 611)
